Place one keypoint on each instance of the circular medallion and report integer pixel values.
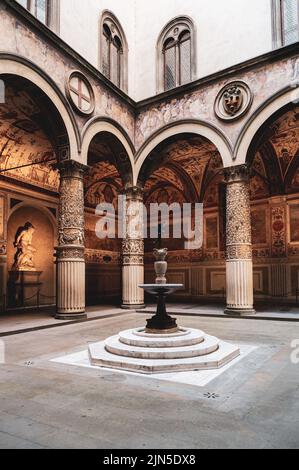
(80, 93)
(233, 101)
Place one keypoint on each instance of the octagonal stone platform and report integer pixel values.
(185, 350)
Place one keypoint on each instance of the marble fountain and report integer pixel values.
(162, 346)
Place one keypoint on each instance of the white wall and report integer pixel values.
(228, 32)
(79, 27)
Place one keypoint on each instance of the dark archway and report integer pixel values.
(110, 173)
(273, 158)
(188, 168)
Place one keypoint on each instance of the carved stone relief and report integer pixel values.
(233, 101)
(71, 204)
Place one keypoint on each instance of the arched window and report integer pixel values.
(176, 55)
(113, 51)
(46, 11)
(285, 22)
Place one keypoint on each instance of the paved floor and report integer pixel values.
(26, 321)
(263, 311)
(254, 404)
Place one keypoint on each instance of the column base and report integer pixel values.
(239, 312)
(133, 307)
(71, 316)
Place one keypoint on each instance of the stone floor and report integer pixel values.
(30, 320)
(253, 404)
(263, 311)
(27, 321)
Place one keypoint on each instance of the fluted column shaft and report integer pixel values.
(133, 251)
(70, 250)
(239, 265)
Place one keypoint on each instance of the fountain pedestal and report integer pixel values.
(161, 322)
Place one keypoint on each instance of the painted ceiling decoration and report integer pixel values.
(187, 165)
(108, 154)
(102, 183)
(23, 142)
(275, 165)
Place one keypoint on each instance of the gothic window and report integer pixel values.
(176, 54)
(46, 11)
(285, 22)
(113, 56)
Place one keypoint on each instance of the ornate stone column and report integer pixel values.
(70, 250)
(239, 265)
(3, 251)
(133, 251)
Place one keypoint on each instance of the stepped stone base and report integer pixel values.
(185, 350)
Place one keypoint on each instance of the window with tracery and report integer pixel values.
(176, 61)
(113, 52)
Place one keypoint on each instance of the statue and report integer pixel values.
(24, 257)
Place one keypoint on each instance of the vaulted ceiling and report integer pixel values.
(26, 150)
(181, 170)
(275, 165)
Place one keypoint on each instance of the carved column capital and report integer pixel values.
(71, 169)
(234, 174)
(134, 193)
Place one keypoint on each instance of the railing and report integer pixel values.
(38, 295)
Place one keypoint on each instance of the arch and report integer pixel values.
(15, 65)
(100, 125)
(262, 114)
(107, 21)
(34, 203)
(183, 24)
(203, 129)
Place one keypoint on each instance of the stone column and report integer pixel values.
(3, 276)
(3, 251)
(133, 251)
(70, 250)
(239, 265)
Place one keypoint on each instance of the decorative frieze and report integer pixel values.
(102, 257)
(70, 252)
(278, 224)
(239, 252)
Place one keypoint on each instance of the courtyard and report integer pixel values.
(252, 404)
